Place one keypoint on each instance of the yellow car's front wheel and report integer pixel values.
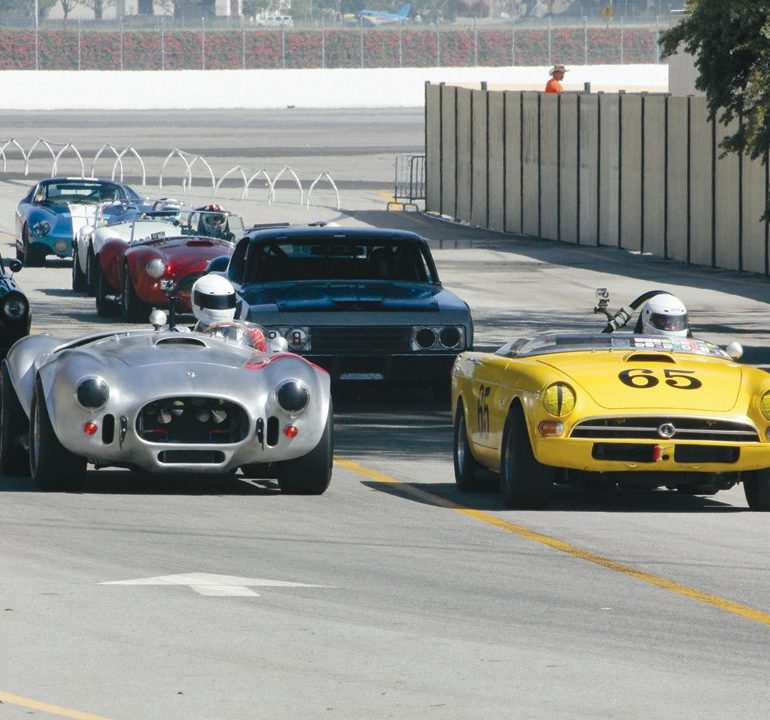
(466, 466)
(756, 485)
(525, 483)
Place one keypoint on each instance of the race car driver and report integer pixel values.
(664, 314)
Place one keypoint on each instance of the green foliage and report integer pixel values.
(730, 40)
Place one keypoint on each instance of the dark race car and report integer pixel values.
(366, 304)
(14, 307)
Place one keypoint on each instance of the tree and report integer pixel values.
(67, 6)
(730, 41)
(97, 6)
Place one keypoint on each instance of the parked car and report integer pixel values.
(15, 316)
(160, 401)
(366, 304)
(49, 216)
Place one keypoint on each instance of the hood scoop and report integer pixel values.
(182, 340)
(650, 357)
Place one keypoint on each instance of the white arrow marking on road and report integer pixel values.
(213, 585)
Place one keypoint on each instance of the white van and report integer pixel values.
(275, 21)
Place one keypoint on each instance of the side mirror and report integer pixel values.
(734, 350)
(15, 266)
(218, 264)
(158, 318)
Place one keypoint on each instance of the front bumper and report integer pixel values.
(401, 367)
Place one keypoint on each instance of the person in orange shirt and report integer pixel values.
(557, 75)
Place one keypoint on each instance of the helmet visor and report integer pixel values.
(214, 302)
(668, 323)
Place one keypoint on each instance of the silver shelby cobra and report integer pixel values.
(161, 401)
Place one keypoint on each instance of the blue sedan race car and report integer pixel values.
(363, 303)
(51, 213)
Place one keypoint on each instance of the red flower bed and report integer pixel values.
(337, 48)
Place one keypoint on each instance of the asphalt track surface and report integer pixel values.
(412, 600)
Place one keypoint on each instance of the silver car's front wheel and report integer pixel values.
(52, 466)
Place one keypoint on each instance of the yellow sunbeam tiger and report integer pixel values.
(634, 410)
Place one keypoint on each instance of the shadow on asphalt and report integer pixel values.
(564, 498)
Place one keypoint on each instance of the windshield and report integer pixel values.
(314, 259)
(237, 332)
(77, 191)
(548, 343)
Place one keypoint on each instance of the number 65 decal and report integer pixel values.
(642, 379)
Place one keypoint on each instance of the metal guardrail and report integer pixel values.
(409, 186)
(189, 160)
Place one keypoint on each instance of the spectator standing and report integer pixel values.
(557, 75)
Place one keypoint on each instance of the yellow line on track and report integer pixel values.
(25, 702)
(735, 608)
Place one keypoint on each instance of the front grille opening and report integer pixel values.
(108, 429)
(706, 454)
(624, 452)
(272, 431)
(646, 428)
(366, 340)
(191, 457)
(193, 420)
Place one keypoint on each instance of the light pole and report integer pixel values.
(37, 12)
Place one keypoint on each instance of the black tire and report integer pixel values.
(14, 459)
(105, 307)
(34, 255)
(311, 473)
(78, 276)
(466, 466)
(92, 265)
(52, 466)
(756, 486)
(524, 483)
(132, 307)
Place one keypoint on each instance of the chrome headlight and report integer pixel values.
(292, 395)
(15, 307)
(156, 268)
(449, 337)
(764, 405)
(559, 399)
(92, 392)
(41, 228)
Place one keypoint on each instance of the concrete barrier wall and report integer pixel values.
(641, 171)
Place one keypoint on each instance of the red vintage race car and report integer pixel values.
(130, 275)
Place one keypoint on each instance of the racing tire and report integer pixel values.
(525, 483)
(14, 459)
(33, 255)
(466, 466)
(52, 466)
(132, 307)
(79, 281)
(105, 307)
(92, 265)
(756, 486)
(311, 473)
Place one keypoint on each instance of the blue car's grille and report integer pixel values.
(358, 339)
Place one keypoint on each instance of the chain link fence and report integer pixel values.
(161, 44)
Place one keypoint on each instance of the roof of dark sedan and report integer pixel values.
(326, 232)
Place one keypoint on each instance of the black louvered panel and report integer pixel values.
(365, 340)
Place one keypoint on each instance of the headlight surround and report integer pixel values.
(155, 268)
(764, 405)
(41, 228)
(15, 307)
(438, 337)
(559, 399)
(292, 395)
(92, 392)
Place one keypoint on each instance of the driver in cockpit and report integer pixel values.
(664, 314)
(213, 303)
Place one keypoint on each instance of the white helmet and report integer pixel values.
(665, 314)
(213, 299)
